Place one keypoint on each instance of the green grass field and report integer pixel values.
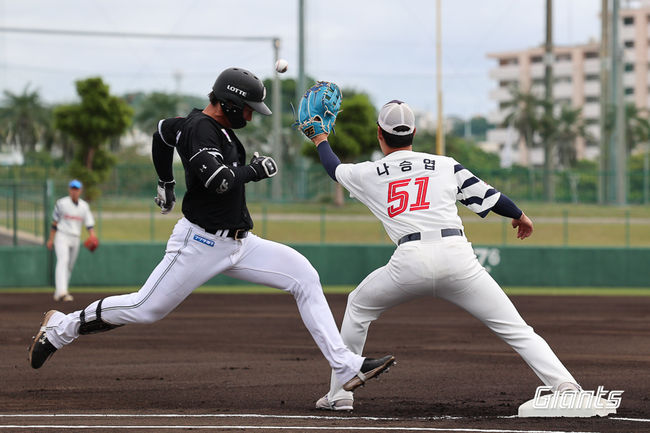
(241, 289)
(555, 224)
(576, 225)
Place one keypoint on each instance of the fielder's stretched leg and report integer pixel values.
(472, 288)
(401, 280)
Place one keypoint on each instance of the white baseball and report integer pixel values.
(281, 66)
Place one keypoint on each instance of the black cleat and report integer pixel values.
(41, 349)
(370, 368)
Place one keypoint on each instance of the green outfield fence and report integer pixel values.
(117, 264)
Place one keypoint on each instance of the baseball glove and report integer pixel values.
(318, 109)
(91, 243)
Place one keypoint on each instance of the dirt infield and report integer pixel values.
(225, 356)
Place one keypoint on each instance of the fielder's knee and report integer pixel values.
(94, 326)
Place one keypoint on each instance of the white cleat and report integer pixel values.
(343, 404)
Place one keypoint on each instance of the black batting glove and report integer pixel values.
(165, 198)
(263, 166)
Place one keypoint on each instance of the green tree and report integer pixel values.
(465, 151)
(637, 126)
(478, 127)
(154, 107)
(524, 115)
(92, 123)
(25, 119)
(291, 145)
(567, 126)
(355, 133)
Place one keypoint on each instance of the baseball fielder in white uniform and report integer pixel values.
(70, 213)
(414, 195)
(213, 237)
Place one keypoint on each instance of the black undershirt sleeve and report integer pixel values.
(507, 208)
(328, 158)
(163, 158)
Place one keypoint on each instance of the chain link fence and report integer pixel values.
(303, 211)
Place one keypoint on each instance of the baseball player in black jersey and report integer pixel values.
(214, 236)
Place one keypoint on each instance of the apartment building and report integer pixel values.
(576, 76)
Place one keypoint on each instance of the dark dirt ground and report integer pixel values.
(250, 354)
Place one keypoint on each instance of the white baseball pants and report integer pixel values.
(446, 268)
(192, 257)
(67, 249)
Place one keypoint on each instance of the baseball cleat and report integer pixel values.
(343, 404)
(65, 298)
(370, 368)
(41, 348)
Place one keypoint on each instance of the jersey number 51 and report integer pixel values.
(402, 197)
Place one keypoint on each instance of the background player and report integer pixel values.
(69, 214)
(414, 195)
(213, 237)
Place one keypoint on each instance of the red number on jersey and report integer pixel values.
(420, 203)
(403, 196)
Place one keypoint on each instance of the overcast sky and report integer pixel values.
(383, 47)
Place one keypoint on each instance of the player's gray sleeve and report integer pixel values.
(216, 176)
(56, 213)
(472, 192)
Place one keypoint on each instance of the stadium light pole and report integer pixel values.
(617, 151)
(440, 129)
(276, 184)
(300, 85)
(549, 184)
(605, 65)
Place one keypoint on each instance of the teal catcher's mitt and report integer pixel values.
(318, 109)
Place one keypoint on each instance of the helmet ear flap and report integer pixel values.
(234, 114)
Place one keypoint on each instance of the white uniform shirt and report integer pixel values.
(416, 192)
(69, 216)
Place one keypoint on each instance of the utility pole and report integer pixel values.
(300, 85)
(276, 184)
(440, 128)
(618, 149)
(605, 65)
(549, 178)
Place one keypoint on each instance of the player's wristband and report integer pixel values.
(507, 208)
(54, 227)
(328, 158)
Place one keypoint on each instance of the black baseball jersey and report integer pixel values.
(208, 151)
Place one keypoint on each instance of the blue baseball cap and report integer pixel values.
(74, 183)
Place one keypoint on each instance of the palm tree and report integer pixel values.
(24, 118)
(568, 126)
(637, 126)
(524, 115)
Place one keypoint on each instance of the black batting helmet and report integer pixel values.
(240, 87)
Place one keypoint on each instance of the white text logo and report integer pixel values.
(236, 90)
(599, 399)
